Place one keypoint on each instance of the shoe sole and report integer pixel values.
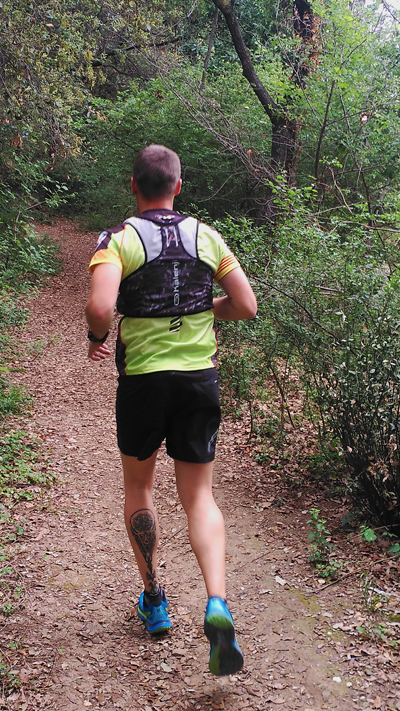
(225, 656)
(219, 629)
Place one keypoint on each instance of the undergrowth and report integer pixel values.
(24, 472)
(22, 464)
(24, 467)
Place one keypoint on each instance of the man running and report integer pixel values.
(159, 269)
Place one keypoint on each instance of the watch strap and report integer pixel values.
(93, 338)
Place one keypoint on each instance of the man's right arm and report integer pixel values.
(239, 302)
(100, 306)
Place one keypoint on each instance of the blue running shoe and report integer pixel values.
(225, 655)
(156, 618)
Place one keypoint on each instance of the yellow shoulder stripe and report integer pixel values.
(227, 264)
(105, 256)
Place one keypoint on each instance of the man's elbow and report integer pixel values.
(97, 312)
(250, 307)
(246, 311)
(251, 311)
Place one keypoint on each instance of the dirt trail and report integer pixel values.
(79, 649)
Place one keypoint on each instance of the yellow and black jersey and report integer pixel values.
(168, 263)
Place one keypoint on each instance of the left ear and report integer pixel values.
(134, 187)
(178, 187)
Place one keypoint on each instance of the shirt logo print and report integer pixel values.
(176, 283)
(175, 324)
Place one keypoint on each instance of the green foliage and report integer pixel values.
(320, 536)
(350, 124)
(13, 399)
(320, 550)
(321, 547)
(47, 64)
(55, 55)
(24, 470)
(368, 534)
(328, 309)
(24, 257)
(10, 590)
(113, 132)
(332, 305)
(242, 383)
(236, 372)
(378, 633)
(22, 465)
(23, 253)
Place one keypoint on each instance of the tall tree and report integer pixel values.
(285, 128)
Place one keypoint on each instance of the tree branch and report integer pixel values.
(270, 107)
(389, 10)
(209, 50)
(97, 62)
(322, 131)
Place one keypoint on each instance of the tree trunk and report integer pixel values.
(284, 148)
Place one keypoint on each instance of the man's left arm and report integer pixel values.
(100, 306)
(239, 302)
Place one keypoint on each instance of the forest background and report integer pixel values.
(286, 118)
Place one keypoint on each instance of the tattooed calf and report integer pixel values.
(143, 528)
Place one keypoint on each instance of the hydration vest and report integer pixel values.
(173, 281)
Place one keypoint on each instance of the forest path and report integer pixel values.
(80, 642)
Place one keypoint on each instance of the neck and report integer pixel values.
(166, 203)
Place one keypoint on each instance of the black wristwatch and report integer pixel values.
(93, 338)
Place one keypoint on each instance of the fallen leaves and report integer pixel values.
(280, 580)
(108, 661)
(165, 667)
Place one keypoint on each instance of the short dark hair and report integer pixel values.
(156, 170)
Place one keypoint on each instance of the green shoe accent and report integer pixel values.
(155, 618)
(225, 654)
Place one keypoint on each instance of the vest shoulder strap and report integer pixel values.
(151, 235)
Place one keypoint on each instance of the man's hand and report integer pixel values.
(100, 306)
(98, 351)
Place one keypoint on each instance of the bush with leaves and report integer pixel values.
(329, 306)
(26, 257)
(112, 133)
(338, 308)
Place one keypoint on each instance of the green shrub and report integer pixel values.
(339, 311)
(329, 307)
(25, 258)
(14, 399)
(24, 255)
(22, 465)
(112, 133)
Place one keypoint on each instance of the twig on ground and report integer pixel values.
(253, 561)
(349, 575)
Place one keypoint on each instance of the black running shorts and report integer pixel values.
(181, 407)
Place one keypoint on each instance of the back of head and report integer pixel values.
(156, 170)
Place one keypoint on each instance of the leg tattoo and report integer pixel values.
(143, 529)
